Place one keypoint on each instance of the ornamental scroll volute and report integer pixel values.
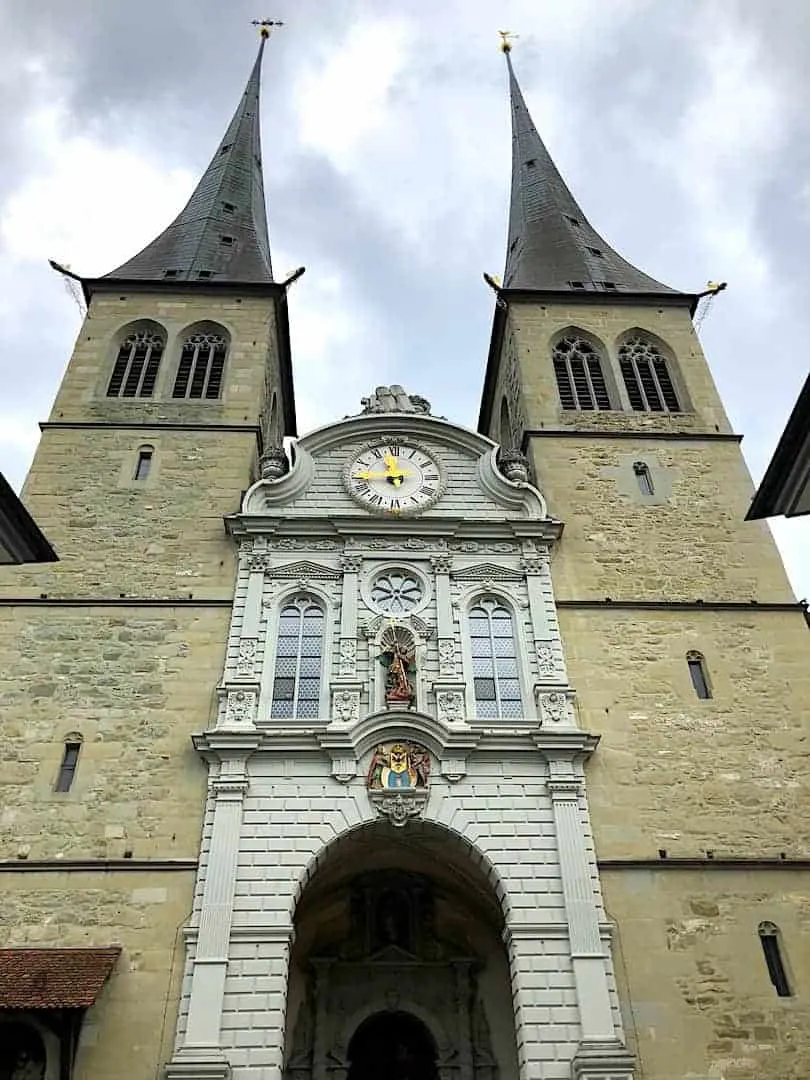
(398, 779)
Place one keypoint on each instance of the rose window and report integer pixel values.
(396, 592)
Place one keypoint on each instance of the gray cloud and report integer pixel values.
(409, 229)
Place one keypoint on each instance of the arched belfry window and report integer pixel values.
(493, 645)
(646, 377)
(202, 362)
(580, 378)
(136, 365)
(299, 659)
(769, 938)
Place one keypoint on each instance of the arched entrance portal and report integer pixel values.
(394, 1045)
(399, 968)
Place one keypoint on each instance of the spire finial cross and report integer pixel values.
(507, 37)
(266, 26)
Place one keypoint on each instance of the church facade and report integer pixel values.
(399, 748)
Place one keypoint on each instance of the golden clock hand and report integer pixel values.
(367, 474)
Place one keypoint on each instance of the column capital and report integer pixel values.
(564, 787)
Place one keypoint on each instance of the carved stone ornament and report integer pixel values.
(546, 661)
(240, 707)
(450, 706)
(274, 463)
(401, 807)
(514, 466)
(246, 663)
(259, 564)
(442, 564)
(346, 706)
(554, 708)
(348, 657)
(294, 543)
(447, 658)
(394, 399)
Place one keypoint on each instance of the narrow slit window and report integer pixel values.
(572, 220)
(771, 947)
(647, 377)
(67, 770)
(699, 675)
(644, 477)
(143, 465)
(202, 362)
(136, 365)
(580, 379)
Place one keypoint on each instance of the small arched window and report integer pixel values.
(299, 660)
(646, 377)
(493, 646)
(699, 674)
(69, 763)
(202, 362)
(580, 379)
(769, 938)
(136, 365)
(644, 477)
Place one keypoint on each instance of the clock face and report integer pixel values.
(395, 478)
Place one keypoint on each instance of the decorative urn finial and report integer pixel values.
(274, 463)
(513, 465)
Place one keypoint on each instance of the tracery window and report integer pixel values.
(202, 362)
(496, 682)
(299, 659)
(646, 377)
(136, 365)
(580, 379)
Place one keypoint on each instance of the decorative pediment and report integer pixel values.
(304, 569)
(487, 572)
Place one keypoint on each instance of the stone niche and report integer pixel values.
(389, 990)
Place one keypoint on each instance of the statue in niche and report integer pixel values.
(392, 922)
(398, 659)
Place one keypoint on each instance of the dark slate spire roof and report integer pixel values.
(551, 243)
(221, 234)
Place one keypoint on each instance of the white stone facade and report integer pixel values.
(288, 798)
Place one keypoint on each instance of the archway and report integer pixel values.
(398, 941)
(395, 1045)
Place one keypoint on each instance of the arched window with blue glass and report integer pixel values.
(298, 669)
(493, 645)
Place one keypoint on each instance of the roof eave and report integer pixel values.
(788, 474)
(20, 536)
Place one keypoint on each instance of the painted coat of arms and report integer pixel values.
(397, 781)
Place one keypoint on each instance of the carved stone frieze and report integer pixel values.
(305, 569)
(239, 707)
(303, 543)
(484, 547)
(347, 663)
(546, 660)
(346, 706)
(447, 658)
(246, 661)
(450, 706)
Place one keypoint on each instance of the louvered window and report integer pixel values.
(580, 379)
(494, 660)
(202, 362)
(647, 378)
(299, 660)
(136, 366)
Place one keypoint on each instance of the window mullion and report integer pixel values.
(589, 381)
(657, 383)
(208, 366)
(640, 382)
(145, 365)
(494, 666)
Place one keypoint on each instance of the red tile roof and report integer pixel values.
(53, 978)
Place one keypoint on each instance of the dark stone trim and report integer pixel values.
(90, 286)
(493, 363)
(685, 605)
(108, 601)
(157, 425)
(285, 366)
(23, 866)
(664, 436)
(706, 863)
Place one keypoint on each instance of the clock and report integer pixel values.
(394, 477)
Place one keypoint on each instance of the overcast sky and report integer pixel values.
(682, 128)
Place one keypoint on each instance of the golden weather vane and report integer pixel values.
(507, 37)
(266, 26)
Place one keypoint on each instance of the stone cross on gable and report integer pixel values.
(394, 399)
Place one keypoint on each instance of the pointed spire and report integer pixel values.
(552, 246)
(221, 234)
